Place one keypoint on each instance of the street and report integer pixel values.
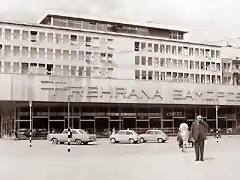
(105, 161)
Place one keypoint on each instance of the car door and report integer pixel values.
(149, 136)
(120, 136)
(64, 136)
(74, 135)
(157, 134)
(129, 135)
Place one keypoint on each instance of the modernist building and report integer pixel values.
(116, 73)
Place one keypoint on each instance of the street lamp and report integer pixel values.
(30, 133)
(217, 121)
(69, 131)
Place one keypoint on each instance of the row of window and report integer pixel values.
(53, 54)
(176, 63)
(52, 69)
(74, 39)
(177, 76)
(176, 50)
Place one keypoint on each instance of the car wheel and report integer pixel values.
(142, 140)
(131, 141)
(160, 140)
(54, 141)
(113, 140)
(78, 141)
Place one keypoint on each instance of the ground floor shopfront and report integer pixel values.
(97, 118)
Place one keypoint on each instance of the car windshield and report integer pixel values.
(134, 133)
(82, 131)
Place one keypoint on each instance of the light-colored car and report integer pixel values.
(154, 135)
(79, 136)
(125, 136)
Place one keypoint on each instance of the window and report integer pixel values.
(155, 47)
(7, 67)
(174, 62)
(33, 36)
(186, 64)
(218, 80)
(65, 39)
(218, 66)
(33, 68)
(33, 52)
(58, 38)
(50, 54)
(24, 68)
(202, 52)
(162, 76)
(191, 65)
(190, 51)
(156, 75)
(80, 71)
(156, 62)
(88, 71)
(121, 132)
(150, 75)
(202, 78)
(137, 74)
(42, 37)
(150, 132)
(180, 50)
(162, 48)
(202, 65)
(71, 23)
(41, 53)
(49, 69)
(96, 42)
(16, 67)
(81, 55)
(185, 51)
(168, 49)
(208, 79)
(217, 54)
(16, 50)
(197, 65)
(25, 35)
(162, 62)
(50, 37)
(7, 50)
(144, 74)
(129, 133)
(16, 35)
(73, 55)
(143, 46)
(8, 34)
(58, 70)
(196, 51)
(143, 60)
(150, 61)
(150, 47)
(169, 63)
(65, 55)
(73, 70)
(65, 70)
(137, 60)
(180, 64)
(197, 78)
(192, 78)
(58, 54)
(212, 54)
(207, 53)
(174, 50)
(41, 68)
(136, 46)
(88, 57)
(110, 44)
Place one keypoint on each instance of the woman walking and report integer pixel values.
(183, 130)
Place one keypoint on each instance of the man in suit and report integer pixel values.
(198, 135)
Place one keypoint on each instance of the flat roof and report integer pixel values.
(147, 24)
(35, 25)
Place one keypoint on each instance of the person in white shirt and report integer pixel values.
(183, 129)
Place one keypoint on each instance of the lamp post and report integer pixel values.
(69, 131)
(30, 133)
(217, 122)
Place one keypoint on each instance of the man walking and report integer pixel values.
(198, 135)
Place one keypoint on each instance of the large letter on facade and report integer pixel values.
(120, 91)
(177, 94)
(133, 93)
(103, 91)
(92, 92)
(157, 94)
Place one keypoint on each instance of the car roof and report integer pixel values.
(154, 130)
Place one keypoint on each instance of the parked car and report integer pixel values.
(79, 136)
(125, 136)
(154, 135)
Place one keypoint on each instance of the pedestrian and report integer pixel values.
(198, 135)
(184, 134)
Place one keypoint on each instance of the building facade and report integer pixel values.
(115, 73)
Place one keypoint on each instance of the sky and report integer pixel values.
(206, 20)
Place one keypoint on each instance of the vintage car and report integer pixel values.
(125, 136)
(79, 136)
(154, 135)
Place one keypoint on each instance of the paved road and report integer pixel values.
(104, 161)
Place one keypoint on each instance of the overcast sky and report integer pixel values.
(206, 20)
